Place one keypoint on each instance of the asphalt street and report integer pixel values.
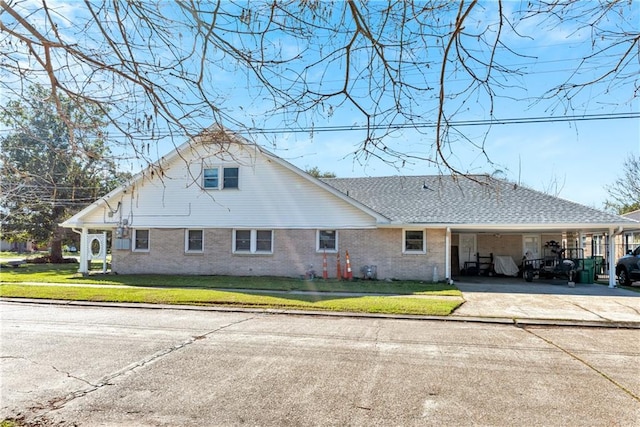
(109, 366)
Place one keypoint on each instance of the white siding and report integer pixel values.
(269, 196)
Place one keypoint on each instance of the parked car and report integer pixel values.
(628, 267)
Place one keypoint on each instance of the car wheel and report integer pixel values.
(528, 275)
(623, 278)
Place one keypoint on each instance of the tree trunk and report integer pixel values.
(56, 247)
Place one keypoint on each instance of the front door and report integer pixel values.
(531, 246)
(468, 248)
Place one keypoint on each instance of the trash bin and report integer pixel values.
(588, 270)
(599, 265)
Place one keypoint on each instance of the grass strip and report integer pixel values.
(67, 273)
(364, 304)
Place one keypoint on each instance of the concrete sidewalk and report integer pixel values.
(548, 302)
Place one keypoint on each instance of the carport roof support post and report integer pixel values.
(611, 256)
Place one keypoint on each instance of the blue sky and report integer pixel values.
(574, 160)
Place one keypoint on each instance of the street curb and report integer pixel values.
(520, 322)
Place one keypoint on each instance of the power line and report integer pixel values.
(411, 125)
(456, 123)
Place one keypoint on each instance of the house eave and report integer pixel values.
(516, 228)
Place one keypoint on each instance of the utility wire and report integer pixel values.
(411, 125)
(460, 123)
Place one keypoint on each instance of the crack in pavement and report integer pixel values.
(69, 375)
(590, 311)
(65, 373)
(365, 399)
(584, 362)
(629, 307)
(59, 402)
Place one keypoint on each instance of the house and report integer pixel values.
(219, 205)
(631, 238)
(20, 247)
(597, 244)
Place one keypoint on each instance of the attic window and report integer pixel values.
(211, 178)
(230, 178)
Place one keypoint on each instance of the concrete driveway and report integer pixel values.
(549, 300)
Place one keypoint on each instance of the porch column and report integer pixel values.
(580, 241)
(84, 251)
(612, 258)
(447, 256)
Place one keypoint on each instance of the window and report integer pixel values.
(327, 240)
(140, 240)
(194, 241)
(253, 241)
(597, 245)
(263, 241)
(414, 241)
(211, 178)
(243, 240)
(230, 178)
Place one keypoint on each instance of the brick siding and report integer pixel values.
(294, 253)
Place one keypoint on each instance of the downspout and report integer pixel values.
(612, 255)
(447, 257)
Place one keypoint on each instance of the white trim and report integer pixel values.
(186, 241)
(414, 251)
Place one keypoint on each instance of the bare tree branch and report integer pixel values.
(166, 70)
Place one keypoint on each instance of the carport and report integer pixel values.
(473, 249)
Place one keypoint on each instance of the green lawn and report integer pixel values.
(30, 255)
(404, 297)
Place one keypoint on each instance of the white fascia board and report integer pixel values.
(516, 227)
(103, 226)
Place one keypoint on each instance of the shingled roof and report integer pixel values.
(461, 201)
(635, 215)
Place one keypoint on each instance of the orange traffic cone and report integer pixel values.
(338, 267)
(325, 275)
(349, 274)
